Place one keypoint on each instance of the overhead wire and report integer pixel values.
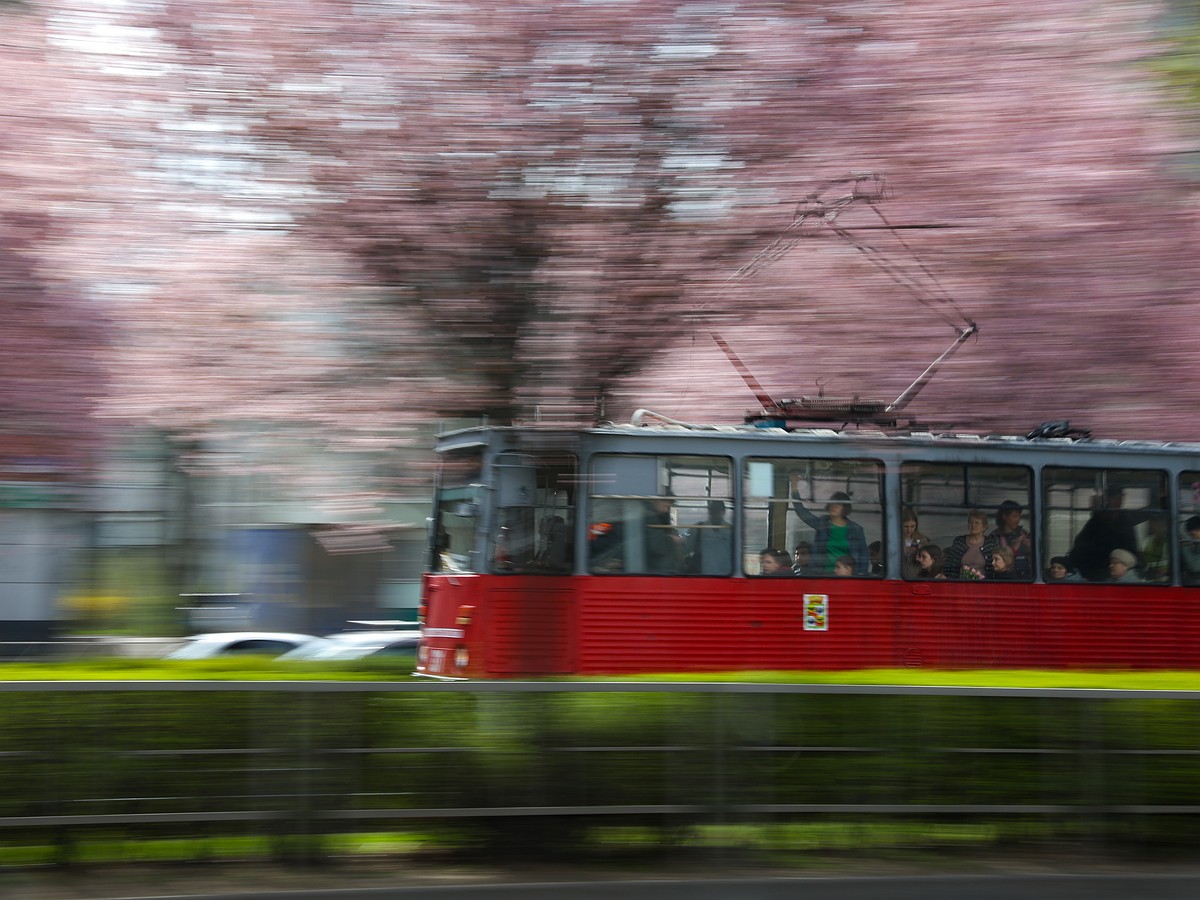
(817, 211)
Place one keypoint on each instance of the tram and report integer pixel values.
(639, 548)
(818, 534)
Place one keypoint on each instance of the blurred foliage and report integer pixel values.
(291, 767)
(1178, 63)
(129, 592)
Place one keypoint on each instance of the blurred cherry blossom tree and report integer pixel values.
(541, 197)
(550, 192)
(354, 216)
(52, 339)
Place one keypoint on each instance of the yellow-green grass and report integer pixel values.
(247, 669)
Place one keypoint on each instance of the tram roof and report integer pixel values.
(543, 436)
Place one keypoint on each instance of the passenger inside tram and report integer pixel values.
(970, 555)
(607, 546)
(1060, 570)
(775, 563)
(1190, 551)
(1156, 559)
(1011, 534)
(929, 563)
(664, 544)
(708, 548)
(835, 533)
(1122, 566)
(802, 559)
(1003, 565)
(1109, 528)
(875, 554)
(911, 540)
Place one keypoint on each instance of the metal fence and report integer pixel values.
(155, 759)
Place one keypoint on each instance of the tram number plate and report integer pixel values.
(437, 660)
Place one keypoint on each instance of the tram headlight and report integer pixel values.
(461, 657)
(422, 654)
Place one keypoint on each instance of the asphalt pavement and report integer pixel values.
(1043, 886)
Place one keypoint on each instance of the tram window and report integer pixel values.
(535, 514)
(828, 510)
(1090, 513)
(1189, 527)
(965, 514)
(456, 519)
(660, 515)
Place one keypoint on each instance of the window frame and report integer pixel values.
(875, 570)
(629, 547)
(970, 500)
(1105, 478)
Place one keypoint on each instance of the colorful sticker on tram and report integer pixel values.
(816, 612)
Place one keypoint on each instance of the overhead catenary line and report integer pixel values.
(816, 213)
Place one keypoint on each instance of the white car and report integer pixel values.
(240, 643)
(358, 645)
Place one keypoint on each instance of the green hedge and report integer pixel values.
(685, 768)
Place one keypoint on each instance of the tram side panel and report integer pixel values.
(964, 625)
(531, 621)
(820, 624)
(637, 624)
(505, 626)
(648, 624)
(1128, 625)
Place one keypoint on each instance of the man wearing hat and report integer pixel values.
(1121, 566)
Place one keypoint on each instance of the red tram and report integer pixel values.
(640, 548)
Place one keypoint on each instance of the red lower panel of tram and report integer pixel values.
(493, 626)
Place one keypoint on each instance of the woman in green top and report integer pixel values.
(834, 533)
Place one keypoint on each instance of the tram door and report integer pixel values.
(530, 541)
